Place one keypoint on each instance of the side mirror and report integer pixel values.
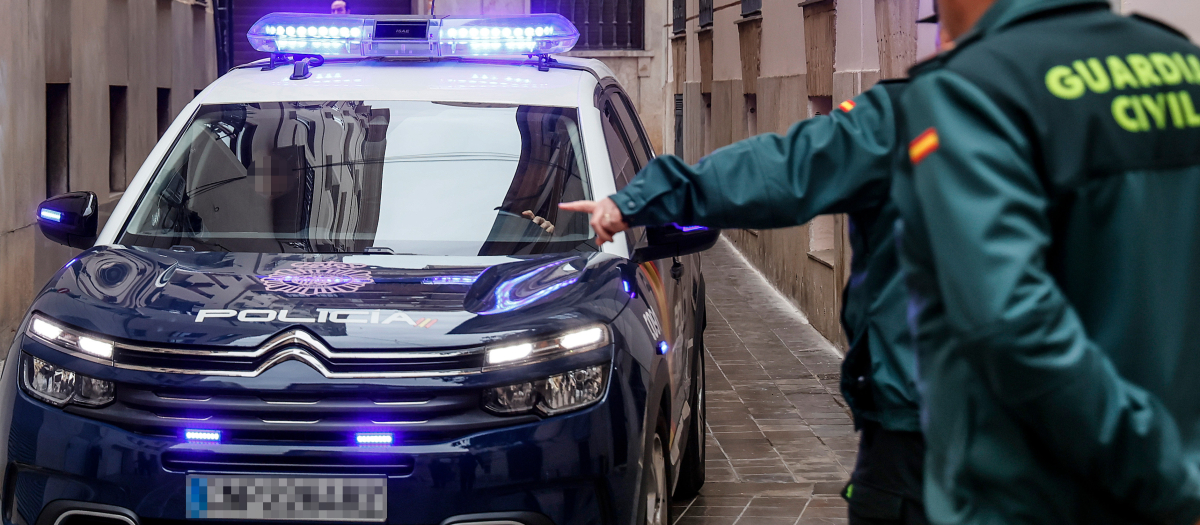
(70, 219)
(673, 240)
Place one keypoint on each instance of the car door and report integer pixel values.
(668, 283)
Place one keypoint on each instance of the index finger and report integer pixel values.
(584, 206)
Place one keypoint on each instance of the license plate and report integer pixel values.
(275, 498)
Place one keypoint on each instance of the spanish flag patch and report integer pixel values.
(923, 145)
(846, 106)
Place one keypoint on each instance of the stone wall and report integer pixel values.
(148, 57)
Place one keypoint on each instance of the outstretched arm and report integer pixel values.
(828, 164)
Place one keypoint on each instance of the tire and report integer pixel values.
(691, 473)
(655, 494)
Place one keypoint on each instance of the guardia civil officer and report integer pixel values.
(839, 163)
(1051, 234)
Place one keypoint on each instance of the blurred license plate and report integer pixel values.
(271, 498)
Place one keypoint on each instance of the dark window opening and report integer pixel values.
(678, 16)
(679, 124)
(751, 114)
(163, 110)
(58, 138)
(820, 105)
(751, 7)
(602, 24)
(706, 13)
(118, 122)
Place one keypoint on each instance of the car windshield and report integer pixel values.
(405, 177)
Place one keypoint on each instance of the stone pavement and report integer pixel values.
(781, 443)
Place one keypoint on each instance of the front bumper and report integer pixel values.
(558, 469)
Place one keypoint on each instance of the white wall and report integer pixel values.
(1181, 14)
(857, 48)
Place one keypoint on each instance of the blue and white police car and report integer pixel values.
(340, 289)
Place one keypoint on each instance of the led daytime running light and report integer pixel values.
(69, 340)
(571, 342)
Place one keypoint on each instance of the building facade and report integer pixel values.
(87, 87)
(736, 68)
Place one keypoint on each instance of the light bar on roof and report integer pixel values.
(339, 36)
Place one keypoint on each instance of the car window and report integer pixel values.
(620, 151)
(426, 178)
(633, 127)
(622, 154)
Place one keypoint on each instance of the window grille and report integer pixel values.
(679, 125)
(706, 13)
(602, 24)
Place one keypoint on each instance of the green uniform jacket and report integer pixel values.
(1051, 239)
(840, 163)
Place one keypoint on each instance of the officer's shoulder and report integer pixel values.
(1138, 17)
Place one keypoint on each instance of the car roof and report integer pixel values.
(515, 80)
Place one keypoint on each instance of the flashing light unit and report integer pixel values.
(373, 438)
(336, 36)
(194, 435)
(50, 215)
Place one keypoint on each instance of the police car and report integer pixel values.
(341, 289)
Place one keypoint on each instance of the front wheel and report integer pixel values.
(654, 484)
(691, 473)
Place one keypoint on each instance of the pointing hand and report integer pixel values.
(607, 219)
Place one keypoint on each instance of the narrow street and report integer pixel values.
(781, 443)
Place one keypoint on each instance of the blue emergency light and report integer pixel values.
(374, 438)
(50, 215)
(338, 36)
(195, 435)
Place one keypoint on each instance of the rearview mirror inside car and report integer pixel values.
(70, 219)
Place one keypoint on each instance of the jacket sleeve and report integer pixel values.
(828, 164)
(985, 214)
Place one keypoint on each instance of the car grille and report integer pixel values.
(326, 417)
(302, 346)
(248, 364)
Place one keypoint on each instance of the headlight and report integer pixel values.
(58, 386)
(70, 341)
(554, 395)
(572, 342)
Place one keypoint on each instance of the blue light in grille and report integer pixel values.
(373, 438)
(202, 436)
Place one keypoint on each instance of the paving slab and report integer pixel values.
(780, 439)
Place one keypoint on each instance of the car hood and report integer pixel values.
(216, 299)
